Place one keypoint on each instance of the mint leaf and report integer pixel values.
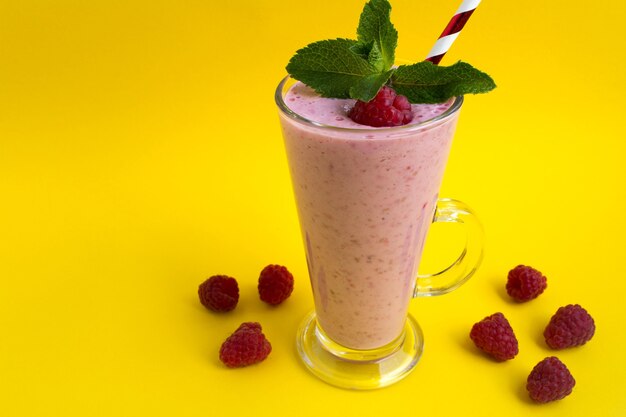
(372, 53)
(375, 57)
(362, 49)
(366, 89)
(375, 26)
(331, 67)
(425, 82)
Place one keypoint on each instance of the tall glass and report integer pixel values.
(366, 198)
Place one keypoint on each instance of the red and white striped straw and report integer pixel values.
(451, 31)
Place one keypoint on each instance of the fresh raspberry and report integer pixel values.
(275, 284)
(570, 326)
(219, 293)
(386, 109)
(550, 380)
(525, 283)
(246, 346)
(494, 335)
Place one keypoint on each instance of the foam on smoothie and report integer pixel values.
(304, 101)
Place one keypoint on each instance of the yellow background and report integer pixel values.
(140, 153)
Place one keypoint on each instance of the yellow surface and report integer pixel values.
(140, 153)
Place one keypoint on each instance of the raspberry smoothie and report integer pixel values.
(366, 197)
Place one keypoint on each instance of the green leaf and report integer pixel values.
(375, 57)
(362, 49)
(425, 82)
(375, 26)
(331, 67)
(367, 88)
(372, 53)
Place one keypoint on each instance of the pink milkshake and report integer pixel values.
(366, 197)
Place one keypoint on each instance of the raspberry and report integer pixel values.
(275, 284)
(495, 336)
(246, 346)
(569, 326)
(386, 109)
(550, 380)
(219, 293)
(525, 283)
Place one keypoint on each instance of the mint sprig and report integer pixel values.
(346, 68)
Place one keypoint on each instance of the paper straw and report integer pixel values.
(451, 31)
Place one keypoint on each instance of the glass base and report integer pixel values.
(359, 369)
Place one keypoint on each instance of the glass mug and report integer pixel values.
(365, 199)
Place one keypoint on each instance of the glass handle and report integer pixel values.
(455, 275)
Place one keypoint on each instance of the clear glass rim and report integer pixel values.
(278, 96)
